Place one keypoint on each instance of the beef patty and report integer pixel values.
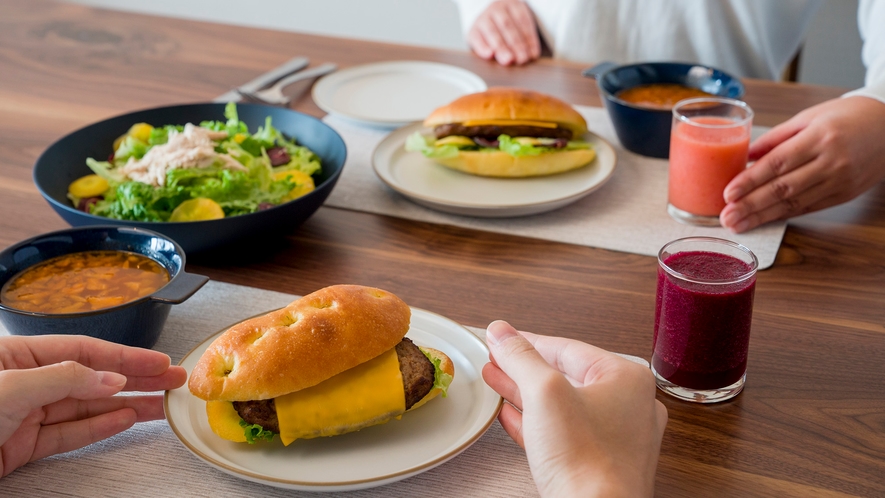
(491, 132)
(417, 372)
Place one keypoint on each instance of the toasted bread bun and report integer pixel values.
(502, 164)
(503, 103)
(313, 338)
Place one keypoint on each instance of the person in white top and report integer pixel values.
(824, 156)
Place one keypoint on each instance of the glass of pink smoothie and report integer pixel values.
(704, 305)
(709, 140)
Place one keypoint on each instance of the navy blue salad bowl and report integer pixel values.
(65, 161)
(644, 130)
(135, 323)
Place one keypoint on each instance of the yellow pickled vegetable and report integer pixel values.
(303, 183)
(140, 131)
(225, 421)
(88, 186)
(197, 209)
(454, 140)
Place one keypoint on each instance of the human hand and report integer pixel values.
(57, 393)
(587, 419)
(506, 31)
(824, 156)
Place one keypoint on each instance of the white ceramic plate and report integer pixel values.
(392, 94)
(421, 440)
(438, 187)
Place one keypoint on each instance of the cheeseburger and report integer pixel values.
(333, 362)
(505, 132)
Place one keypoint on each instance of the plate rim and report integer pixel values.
(341, 485)
(323, 84)
(485, 208)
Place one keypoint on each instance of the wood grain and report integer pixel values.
(811, 421)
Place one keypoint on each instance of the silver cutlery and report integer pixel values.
(266, 79)
(274, 95)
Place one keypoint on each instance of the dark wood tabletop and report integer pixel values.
(811, 420)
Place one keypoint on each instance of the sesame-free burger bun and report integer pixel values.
(503, 165)
(505, 103)
(312, 339)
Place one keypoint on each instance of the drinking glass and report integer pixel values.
(709, 140)
(703, 310)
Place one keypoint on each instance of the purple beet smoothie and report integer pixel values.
(702, 331)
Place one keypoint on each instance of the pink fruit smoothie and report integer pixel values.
(702, 162)
(702, 331)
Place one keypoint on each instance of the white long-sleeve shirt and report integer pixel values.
(748, 38)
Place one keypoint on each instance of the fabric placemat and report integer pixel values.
(627, 214)
(149, 460)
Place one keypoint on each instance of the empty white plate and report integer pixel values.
(420, 441)
(438, 187)
(392, 94)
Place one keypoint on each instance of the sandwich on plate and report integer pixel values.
(505, 132)
(332, 362)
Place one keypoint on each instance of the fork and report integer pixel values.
(274, 95)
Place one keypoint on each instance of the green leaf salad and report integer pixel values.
(188, 173)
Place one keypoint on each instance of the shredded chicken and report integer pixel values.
(192, 148)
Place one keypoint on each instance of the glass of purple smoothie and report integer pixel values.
(703, 310)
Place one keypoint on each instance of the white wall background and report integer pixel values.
(831, 55)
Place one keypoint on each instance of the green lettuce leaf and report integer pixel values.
(232, 126)
(160, 134)
(301, 159)
(416, 142)
(517, 149)
(441, 379)
(267, 135)
(255, 432)
(106, 170)
(138, 201)
(130, 147)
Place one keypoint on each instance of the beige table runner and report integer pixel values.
(149, 460)
(627, 214)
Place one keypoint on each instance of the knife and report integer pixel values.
(265, 80)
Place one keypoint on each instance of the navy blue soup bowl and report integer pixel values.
(135, 323)
(644, 130)
(65, 161)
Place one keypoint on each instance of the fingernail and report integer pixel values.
(732, 194)
(112, 379)
(729, 218)
(499, 331)
(740, 226)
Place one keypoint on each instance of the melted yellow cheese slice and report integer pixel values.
(366, 395)
(508, 122)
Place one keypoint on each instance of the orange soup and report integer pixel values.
(659, 95)
(84, 281)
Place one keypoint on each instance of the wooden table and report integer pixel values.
(811, 421)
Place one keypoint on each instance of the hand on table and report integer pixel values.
(57, 393)
(506, 31)
(587, 419)
(824, 156)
